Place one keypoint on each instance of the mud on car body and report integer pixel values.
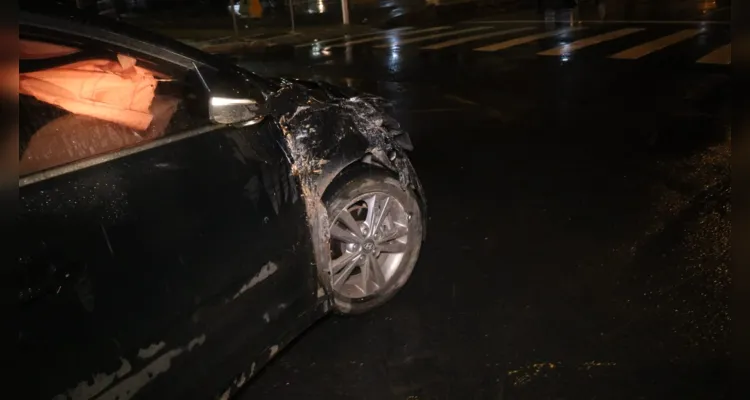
(174, 261)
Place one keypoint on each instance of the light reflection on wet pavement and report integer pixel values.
(578, 241)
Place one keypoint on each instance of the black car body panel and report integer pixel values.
(177, 268)
(175, 250)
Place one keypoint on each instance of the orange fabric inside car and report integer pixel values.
(115, 91)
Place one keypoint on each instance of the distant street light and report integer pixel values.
(345, 11)
(291, 13)
(234, 17)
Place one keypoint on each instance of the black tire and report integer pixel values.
(359, 182)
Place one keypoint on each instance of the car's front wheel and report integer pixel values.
(376, 233)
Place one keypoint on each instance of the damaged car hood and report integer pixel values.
(320, 120)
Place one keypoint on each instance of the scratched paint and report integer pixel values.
(238, 383)
(269, 269)
(129, 387)
(196, 342)
(106, 239)
(150, 351)
(100, 381)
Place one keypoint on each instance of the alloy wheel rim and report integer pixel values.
(369, 239)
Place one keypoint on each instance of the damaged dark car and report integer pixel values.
(181, 219)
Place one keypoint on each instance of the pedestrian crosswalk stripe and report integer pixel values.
(360, 35)
(589, 41)
(467, 39)
(655, 45)
(526, 39)
(384, 37)
(431, 37)
(455, 36)
(605, 22)
(722, 55)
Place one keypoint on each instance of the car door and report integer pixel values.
(157, 266)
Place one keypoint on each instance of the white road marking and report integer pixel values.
(386, 37)
(589, 41)
(430, 37)
(360, 35)
(467, 39)
(594, 21)
(722, 55)
(525, 39)
(647, 48)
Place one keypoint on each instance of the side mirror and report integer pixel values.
(232, 111)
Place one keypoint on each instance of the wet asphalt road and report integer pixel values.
(578, 235)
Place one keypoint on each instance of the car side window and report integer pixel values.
(79, 98)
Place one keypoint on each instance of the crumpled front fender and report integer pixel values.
(324, 130)
(327, 129)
